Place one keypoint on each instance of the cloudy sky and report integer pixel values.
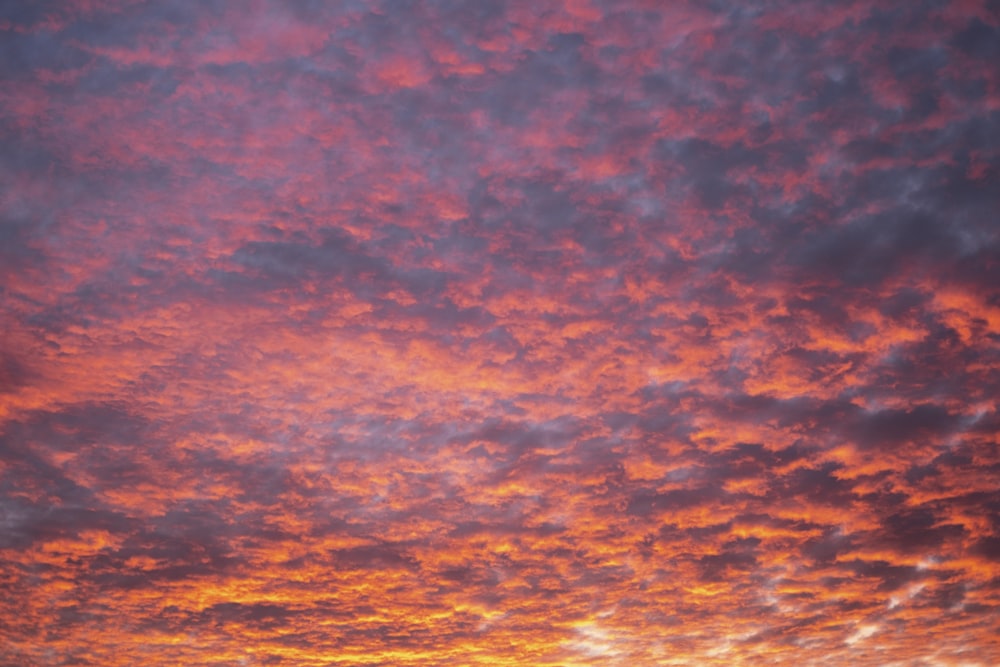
(500, 333)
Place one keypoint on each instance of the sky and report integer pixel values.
(440, 333)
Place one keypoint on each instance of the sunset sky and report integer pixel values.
(510, 333)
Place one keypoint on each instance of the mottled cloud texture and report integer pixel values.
(500, 333)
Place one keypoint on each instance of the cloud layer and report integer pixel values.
(498, 333)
